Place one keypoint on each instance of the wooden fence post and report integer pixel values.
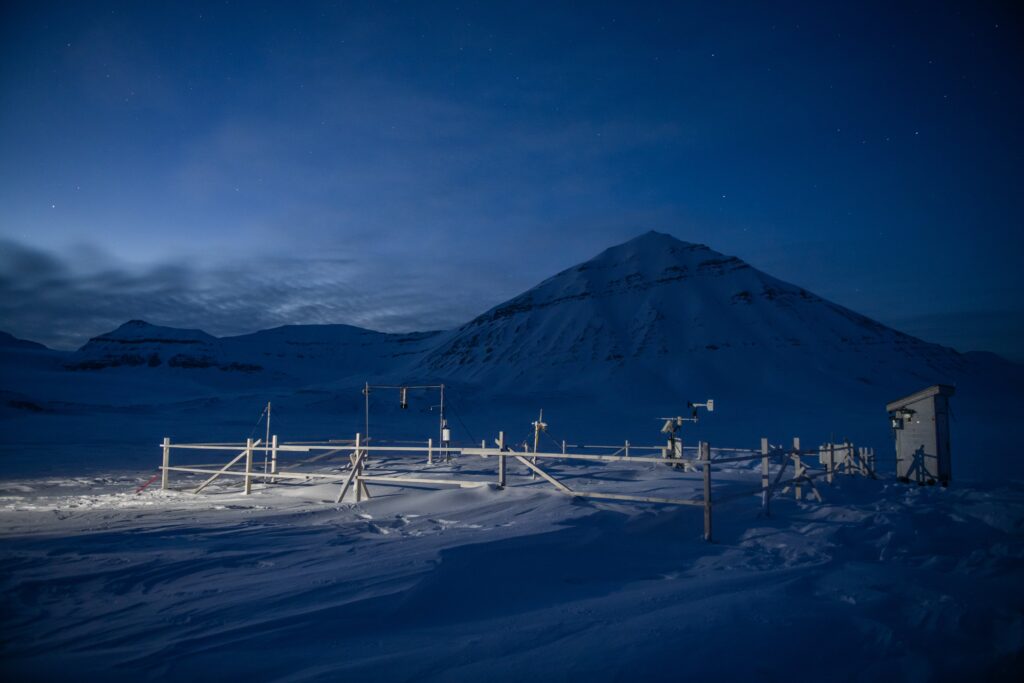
(357, 465)
(831, 462)
(167, 463)
(273, 454)
(248, 466)
(765, 494)
(501, 460)
(706, 458)
(430, 451)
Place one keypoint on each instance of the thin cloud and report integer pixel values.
(46, 297)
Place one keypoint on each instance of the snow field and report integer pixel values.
(881, 581)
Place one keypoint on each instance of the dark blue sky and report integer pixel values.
(237, 165)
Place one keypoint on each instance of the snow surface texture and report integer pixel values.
(882, 581)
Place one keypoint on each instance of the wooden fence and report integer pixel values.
(356, 472)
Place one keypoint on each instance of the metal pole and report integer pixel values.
(430, 451)
(167, 462)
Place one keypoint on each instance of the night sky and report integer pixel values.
(237, 165)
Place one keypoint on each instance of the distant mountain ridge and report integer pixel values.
(603, 347)
(9, 341)
(631, 308)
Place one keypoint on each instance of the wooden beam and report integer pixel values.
(248, 466)
(501, 460)
(554, 482)
(273, 456)
(706, 461)
(635, 499)
(167, 461)
(352, 473)
(222, 470)
(798, 491)
(484, 452)
(279, 475)
(282, 447)
(765, 497)
(398, 481)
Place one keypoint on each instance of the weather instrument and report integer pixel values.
(672, 425)
(403, 402)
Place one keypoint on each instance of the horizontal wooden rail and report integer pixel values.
(742, 458)
(636, 499)
(398, 481)
(617, 447)
(237, 473)
(281, 447)
(488, 452)
(491, 452)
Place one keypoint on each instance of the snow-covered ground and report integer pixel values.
(882, 581)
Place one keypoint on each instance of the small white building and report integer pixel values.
(920, 423)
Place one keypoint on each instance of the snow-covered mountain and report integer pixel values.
(281, 354)
(604, 347)
(9, 341)
(672, 313)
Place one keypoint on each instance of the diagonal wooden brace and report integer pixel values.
(356, 465)
(225, 468)
(537, 470)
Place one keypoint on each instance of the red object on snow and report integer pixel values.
(143, 487)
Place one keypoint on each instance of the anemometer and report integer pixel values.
(674, 424)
